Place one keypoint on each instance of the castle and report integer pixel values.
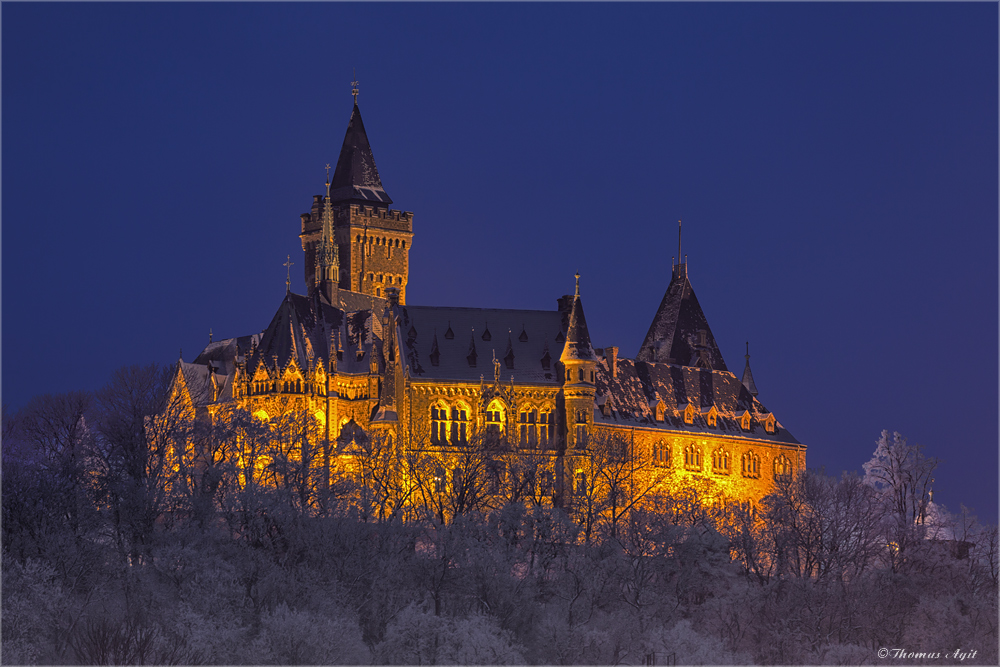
(360, 362)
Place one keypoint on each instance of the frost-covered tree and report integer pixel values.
(903, 476)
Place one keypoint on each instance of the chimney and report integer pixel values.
(611, 354)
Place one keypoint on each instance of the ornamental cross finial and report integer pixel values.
(328, 174)
(577, 283)
(354, 86)
(288, 272)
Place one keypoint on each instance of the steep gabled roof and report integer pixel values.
(356, 177)
(303, 328)
(675, 335)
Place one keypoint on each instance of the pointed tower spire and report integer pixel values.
(577, 346)
(748, 376)
(327, 258)
(356, 179)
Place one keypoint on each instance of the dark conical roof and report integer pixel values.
(675, 336)
(356, 177)
(577, 345)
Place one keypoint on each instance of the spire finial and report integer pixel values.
(180, 353)
(288, 273)
(328, 179)
(679, 255)
(210, 334)
(748, 350)
(577, 283)
(354, 85)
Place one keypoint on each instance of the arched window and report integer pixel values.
(438, 480)
(529, 429)
(720, 461)
(661, 454)
(580, 483)
(751, 465)
(692, 457)
(782, 468)
(439, 425)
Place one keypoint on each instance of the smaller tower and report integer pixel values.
(327, 257)
(579, 361)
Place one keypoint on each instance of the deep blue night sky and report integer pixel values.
(835, 166)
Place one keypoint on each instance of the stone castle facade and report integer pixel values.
(360, 362)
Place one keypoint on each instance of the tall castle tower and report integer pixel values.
(353, 221)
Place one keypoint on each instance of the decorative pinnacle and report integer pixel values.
(577, 283)
(354, 86)
(288, 273)
(748, 350)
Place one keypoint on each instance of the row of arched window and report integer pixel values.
(450, 424)
(721, 461)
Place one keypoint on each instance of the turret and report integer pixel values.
(578, 360)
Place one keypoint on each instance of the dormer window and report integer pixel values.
(745, 420)
(770, 425)
(711, 415)
(688, 413)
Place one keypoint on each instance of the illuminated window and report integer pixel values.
(439, 480)
(692, 457)
(751, 465)
(782, 468)
(720, 461)
(495, 417)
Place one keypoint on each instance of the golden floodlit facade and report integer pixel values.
(359, 363)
